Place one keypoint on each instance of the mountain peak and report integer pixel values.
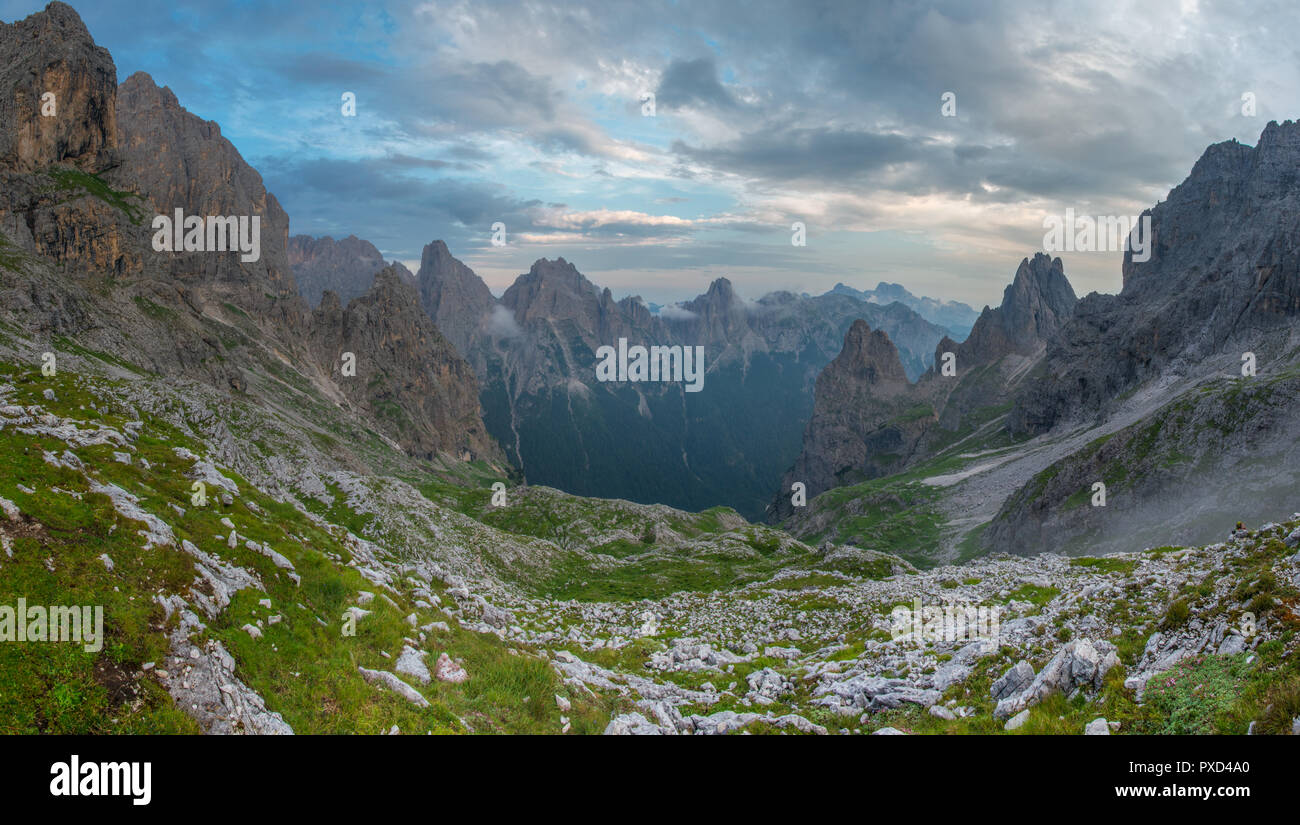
(554, 277)
(436, 253)
(52, 52)
(421, 372)
(896, 292)
(869, 356)
(346, 266)
(453, 295)
(559, 269)
(1037, 302)
(954, 316)
(58, 18)
(853, 433)
(721, 288)
(1041, 278)
(1280, 137)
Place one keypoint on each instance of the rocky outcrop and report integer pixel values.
(176, 160)
(1037, 302)
(52, 53)
(77, 202)
(1079, 666)
(1223, 278)
(408, 377)
(345, 267)
(454, 297)
(859, 428)
(557, 291)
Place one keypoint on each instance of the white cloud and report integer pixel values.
(673, 312)
(500, 323)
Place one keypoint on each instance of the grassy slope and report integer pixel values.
(305, 670)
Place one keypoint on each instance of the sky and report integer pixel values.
(535, 115)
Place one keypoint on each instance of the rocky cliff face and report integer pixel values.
(77, 259)
(345, 267)
(1003, 347)
(48, 147)
(407, 375)
(179, 161)
(52, 53)
(859, 427)
(1037, 302)
(456, 299)
(1183, 441)
(1223, 278)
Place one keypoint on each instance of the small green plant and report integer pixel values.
(1190, 698)
(1176, 616)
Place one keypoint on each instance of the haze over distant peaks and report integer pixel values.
(956, 317)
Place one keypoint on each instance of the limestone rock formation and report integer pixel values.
(52, 53)
(345, 267)
(859, 427)
(1223, 278)
(408, 376)
(78, 198)
(454, 297)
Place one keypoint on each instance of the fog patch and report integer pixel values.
(501, 323)
(673, 312)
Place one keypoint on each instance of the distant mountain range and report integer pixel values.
(534, 352)
(956, 317)
(345, 267)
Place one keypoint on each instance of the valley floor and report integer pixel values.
(301, 597)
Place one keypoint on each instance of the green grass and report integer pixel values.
(1105, 565)
(896, 516)
(305, 670)
(155, 311)
(67, 345)
(1196, 697)
(1033, 594)
(11, 257)
(81, 183)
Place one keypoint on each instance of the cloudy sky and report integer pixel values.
(765, 113)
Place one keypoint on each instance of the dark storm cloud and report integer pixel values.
(810, 153)
(692, 82)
